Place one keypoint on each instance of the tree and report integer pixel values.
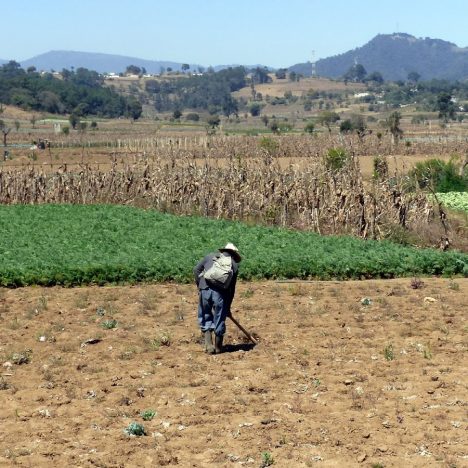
(5, 130)
(327, 118)
(229, 105)
(281, 73)
(132, 70)
(134, 109)
(356, 73)
(393, 124)
(74, 120)
(309, 128)
(446, 107)
(185, 67)
(177, 114)
(260, 75)
(375, 77)
(255, 109)
(413, 77)
(213, 123)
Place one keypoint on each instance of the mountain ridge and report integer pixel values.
(394, 56)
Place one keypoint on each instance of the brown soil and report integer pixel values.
(278, 87)
(332, 380)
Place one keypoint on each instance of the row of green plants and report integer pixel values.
(454, 200)
(100, 244)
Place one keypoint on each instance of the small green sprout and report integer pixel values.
(148, 414)
(388, 353)
(135, 429)
(267, 459)
(109, 324)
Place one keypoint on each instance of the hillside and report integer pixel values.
(59, 59)
(394, 56)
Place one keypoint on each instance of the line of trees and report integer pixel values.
(81, 92)
(209, 92)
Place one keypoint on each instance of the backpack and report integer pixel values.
(220, 274)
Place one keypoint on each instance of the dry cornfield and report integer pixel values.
(235, 178)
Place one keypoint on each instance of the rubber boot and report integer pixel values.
(209, 348)
(219, 344)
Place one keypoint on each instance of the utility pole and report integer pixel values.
(313, 70)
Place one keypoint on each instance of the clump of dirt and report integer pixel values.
(345, 374)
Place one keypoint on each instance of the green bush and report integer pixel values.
(336, 159)
(439, 176)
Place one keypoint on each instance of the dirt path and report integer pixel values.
(345, 374)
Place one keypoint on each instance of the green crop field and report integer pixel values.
(455, 200)
(96, 244)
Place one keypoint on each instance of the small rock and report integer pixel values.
(382, 448)
(348, 382)
(361, 457)
(7, 364)
(366, 435)
(429, 300)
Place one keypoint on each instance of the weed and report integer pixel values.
(82, 300)
(15, 324)
(148, 414)
(417, 283)
(4, 385)
(42, 303)
(100, 311)
(163, 340)
(267, 459)
(128, 353)
(21, 357)
(316, 382)
(388, 353)
(146, 304)
(427, 353)
(109, 324)
(377, 465)
(283, 440)
(248, 293)
(454, 286)
(297, 289)
(136, 429)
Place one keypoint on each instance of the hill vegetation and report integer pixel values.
(81, 92)
(394, 56)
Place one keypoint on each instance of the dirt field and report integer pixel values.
(345, 374)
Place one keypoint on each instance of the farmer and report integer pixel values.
(216, 292)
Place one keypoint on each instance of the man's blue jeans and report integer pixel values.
(212, 311)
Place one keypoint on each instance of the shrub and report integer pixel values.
(380, 168)
(193, 116)
(440, 176)
(336, 159)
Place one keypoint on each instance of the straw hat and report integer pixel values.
(233, 250)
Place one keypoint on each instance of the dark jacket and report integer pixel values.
(206, 263)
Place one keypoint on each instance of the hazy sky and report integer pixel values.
(213, 32)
